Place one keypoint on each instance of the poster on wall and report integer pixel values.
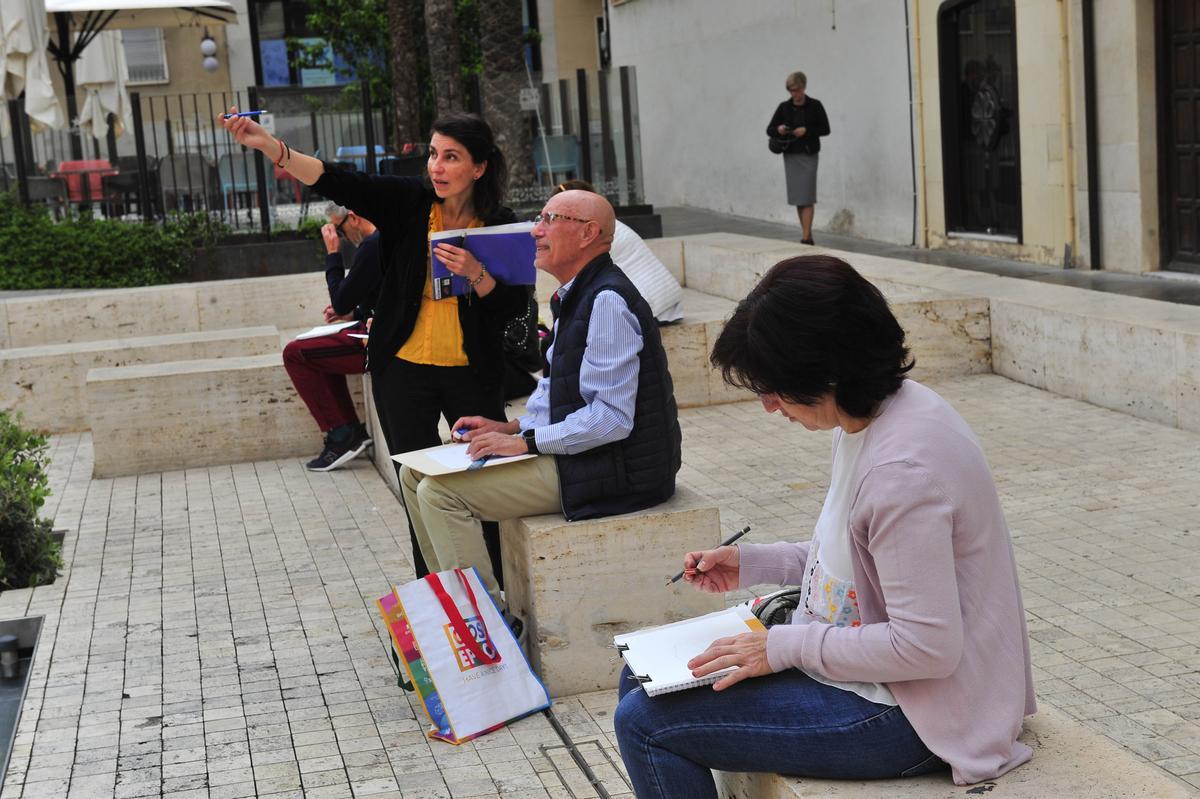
(318, 77)
(274, 62)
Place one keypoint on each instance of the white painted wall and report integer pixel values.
(710, 73)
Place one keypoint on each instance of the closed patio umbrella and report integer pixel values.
(77, 23)
(26, 67)
(101, 77)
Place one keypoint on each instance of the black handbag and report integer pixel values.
(779, 145)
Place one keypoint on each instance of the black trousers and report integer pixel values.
(409, 399)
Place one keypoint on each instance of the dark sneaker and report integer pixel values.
(360, 440)
(335, 454)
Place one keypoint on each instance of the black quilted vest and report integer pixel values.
(638, 471)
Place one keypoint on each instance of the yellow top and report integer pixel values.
(437, 338)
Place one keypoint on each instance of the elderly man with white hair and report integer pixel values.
(603, 419)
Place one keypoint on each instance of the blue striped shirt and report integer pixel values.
(608, 383)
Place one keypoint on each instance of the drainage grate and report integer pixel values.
(585, 768)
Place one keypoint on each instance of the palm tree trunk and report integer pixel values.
(405, 98)
(502, 42)
(441, 34)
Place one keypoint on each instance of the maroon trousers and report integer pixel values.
(318, 368)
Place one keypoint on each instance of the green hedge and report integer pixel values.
(29, 555)
(80, 251)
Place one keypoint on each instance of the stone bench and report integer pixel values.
(177, 415)
(577, 584)
(47, 384)
(1069, 760)
(287, 301)
(1130, 354)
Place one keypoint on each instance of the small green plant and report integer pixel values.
(81, 251)
(29, 555)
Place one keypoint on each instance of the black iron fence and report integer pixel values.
(176, 157)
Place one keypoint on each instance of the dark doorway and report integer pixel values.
(977, 46)
(1179, 105)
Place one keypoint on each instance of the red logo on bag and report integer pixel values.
(466, 660)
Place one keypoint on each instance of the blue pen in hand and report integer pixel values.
(477, 465)
(244, 114)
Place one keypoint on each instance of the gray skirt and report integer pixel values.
(800, 170)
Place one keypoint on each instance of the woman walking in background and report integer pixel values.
(796, 130)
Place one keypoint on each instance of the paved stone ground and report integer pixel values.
(214, 634)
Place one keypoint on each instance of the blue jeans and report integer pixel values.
(787, 723)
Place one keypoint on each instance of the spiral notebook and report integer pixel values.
(658, 656)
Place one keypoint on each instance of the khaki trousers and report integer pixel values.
(447, 511)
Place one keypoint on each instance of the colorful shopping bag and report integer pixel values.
(462, 659)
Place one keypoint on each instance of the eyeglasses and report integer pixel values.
(338, 226)
(549, 217)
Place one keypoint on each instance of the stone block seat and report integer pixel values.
(577, 584)
(47, 383)
(176, 415)
(1069, 760)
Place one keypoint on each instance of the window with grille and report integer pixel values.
(145, 55)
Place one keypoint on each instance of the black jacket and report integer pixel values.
(399, 208)
(811, 116)
(639, 470)
(355, 291)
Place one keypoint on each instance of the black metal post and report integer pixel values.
(18, 131)
(368, 127)
(585, 131)
(67, 66)
(145, 202)
(260, 174)
(627, 126)
(606, 134)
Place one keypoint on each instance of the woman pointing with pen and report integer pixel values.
(428, 357)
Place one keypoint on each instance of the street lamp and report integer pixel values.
(208, 49)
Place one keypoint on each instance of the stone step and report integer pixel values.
(165, 416)
(47, 384)
(1069, 760)
(286, 301)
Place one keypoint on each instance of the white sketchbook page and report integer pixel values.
(662, 653)
(325, 330)
(448, 459)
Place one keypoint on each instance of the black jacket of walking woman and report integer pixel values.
(400, 207)
(811, 116)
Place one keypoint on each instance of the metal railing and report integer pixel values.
(176, 156)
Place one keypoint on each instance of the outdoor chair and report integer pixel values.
(85, 179)
(51, 191)
(127, 184)
(564, 155)
(356, 154)
(285, 184)
(236, 175)
(187, 180)
(404, 166)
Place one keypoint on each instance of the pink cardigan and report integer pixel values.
(942, 619)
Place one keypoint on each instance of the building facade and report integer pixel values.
(977, 125)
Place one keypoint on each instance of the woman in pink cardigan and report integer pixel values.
(908, 651)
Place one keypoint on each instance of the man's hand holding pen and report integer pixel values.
(487, 437)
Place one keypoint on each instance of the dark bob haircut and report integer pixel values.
(475, 135)
(813, 325)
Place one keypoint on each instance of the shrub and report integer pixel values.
(81, 251)
(29, 555)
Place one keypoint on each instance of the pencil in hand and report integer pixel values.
(725, 543)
